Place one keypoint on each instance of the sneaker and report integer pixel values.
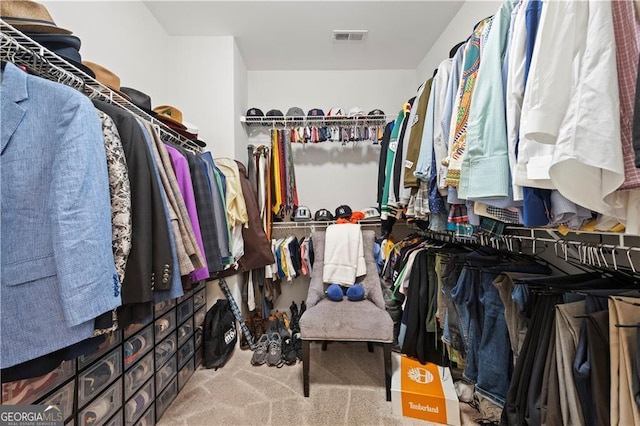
(259, 356)
(274, 357)
(288, 351)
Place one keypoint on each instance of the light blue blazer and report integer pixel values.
(56, 259)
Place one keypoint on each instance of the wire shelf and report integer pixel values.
(19, 49)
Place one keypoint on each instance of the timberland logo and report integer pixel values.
(420, 375)
(427, 408)
(31, 415)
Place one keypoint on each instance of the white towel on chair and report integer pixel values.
(343, 254)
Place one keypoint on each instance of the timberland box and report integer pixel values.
(423, 392)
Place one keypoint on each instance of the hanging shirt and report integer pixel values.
(485, 167)
(447, 113)
(588, 163)
(183, 177)
(457, 144)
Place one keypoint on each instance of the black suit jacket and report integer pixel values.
(150, 255)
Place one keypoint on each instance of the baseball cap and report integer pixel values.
(371, 213)
(275, 113)
(335, 112)
(315, 112)
(302, 214)
(356, 112)
(343, 211)
(376, 113)
(323, 215)
(295, 112)
(253, 114)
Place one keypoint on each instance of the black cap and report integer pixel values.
(323, 215)
(376, 113)
(275, 113)
(253, 114)
(343, 211)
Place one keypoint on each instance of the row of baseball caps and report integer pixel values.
(255, 114)
(303, 214)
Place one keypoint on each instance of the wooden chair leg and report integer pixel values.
(324, 345)
(370, 346)
(305, 366)
(387, 368)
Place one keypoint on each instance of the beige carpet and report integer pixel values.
(346, 388)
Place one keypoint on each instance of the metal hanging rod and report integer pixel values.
(378, 120)
(19, 49)
(587, 253)
(312, 225)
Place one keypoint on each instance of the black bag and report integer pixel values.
(220, 335)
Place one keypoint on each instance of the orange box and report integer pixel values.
(423, 392)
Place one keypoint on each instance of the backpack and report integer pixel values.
(220, 335)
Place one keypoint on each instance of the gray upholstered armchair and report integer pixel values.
(361, 321)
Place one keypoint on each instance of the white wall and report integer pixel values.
(121, 36)
(329, 174)
(459, 29)
(201, 71)
(241, 99)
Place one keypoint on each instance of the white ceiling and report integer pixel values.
(297, 35)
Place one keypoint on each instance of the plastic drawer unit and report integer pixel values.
(136, 406)
(187, 294)
(135, 347)
(63, 398)
(27, 391)
(134, 328)
(149, 418)
(165, 399)
(185, 374)
(113, 339)
(185, 331)
(162, 307)
(185, 352)
(198, 317)
(135, 377)
(198, 336)
(199, 299)
(165, 325)
(103, 407)
(97, 377)
(166, 373)
(199, 356)
(164, 350)
(116, 420)
(185, 310)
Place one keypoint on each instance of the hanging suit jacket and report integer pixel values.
(149, 265)
(57, 268)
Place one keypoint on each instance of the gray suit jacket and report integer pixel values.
(57, 266)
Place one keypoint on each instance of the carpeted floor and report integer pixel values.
(346, 388)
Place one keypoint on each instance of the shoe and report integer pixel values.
(282, 316)
(297, 345)
(303, 307)
(294, 312)
(259, 356)
(288, 351)
(274, 357)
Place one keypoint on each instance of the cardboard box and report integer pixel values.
(423, 392)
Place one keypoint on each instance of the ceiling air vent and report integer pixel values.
(349, 35)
